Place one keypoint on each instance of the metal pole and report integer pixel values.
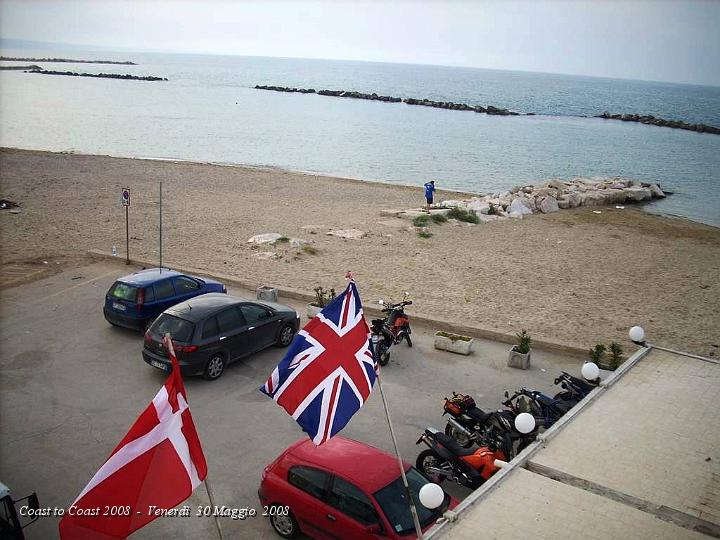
(161, 226)
(413, 510)
(127, 237)
(212, 503)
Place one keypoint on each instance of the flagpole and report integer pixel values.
(212, 503)
(413, 510)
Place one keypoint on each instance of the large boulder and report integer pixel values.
(656, 191)
(517, 207)
(548, 205)
(266, 238)
(637, 194)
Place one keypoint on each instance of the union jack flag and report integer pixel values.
(329, 370)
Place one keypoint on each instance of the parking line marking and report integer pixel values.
(58, 293)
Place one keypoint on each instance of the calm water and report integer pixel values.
(208, 111)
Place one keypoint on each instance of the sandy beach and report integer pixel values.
(572, 277)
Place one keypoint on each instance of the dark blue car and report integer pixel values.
(134, 301)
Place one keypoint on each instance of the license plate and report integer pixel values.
(159, 365)
(121, 307)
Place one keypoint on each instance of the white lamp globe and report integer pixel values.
(431, 496)
(637, 334)
(590, 371)
(524, 422)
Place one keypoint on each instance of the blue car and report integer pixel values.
(134, 301)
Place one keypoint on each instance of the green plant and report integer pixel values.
(454, 337)
(424, 233)
(492, 211)
(310, 250)
(438, 218)
(463, 215)
(597, 353)
(323, 297)
(421, 221)
(616, 353)
(524, 342)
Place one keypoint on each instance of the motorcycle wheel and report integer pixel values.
(428, 458)
(383, 353)
(409, 341)
(460, 438)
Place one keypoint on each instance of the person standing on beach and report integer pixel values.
(429, 191)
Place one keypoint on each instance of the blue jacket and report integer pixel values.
(429, 190)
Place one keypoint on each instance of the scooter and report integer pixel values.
(446, 460)
(391, 330)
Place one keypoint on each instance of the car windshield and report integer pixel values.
(394, 504)
(179, 329)
(123, 291)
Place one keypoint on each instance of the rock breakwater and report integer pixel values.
(98, 75)
(661, 122)
(555, 195)
(392, 99)
(68, 60)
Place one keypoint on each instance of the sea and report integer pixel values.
(208, 111)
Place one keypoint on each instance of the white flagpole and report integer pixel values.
(413, 510)
(171, 350)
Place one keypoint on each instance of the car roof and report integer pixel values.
(150, 275)
(362, 464)
(203, 306)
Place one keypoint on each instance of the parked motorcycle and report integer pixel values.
(444, 459)
(545, 410)
(468, 425)
(391, 330)
(574, 387)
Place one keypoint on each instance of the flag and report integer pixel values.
(329, 370)
(159, 463)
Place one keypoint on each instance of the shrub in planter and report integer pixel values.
(322, 298)
(456, 343)
(519, 356)
(616, 353)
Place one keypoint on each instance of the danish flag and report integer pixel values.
(329, 370)
(159, 463)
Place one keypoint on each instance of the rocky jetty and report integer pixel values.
(555, 195)
(649, 119)
(391, 99)
(125, 77)
(68, 60)
(24, 68)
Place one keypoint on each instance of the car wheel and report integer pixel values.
(285, 525)
(285, 336)
(459, 437)
(214, 367)
(426, 460)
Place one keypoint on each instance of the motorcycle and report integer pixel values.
(545, 410)
(391, 330)
(444, 459)
(468, 425)
(573, 387)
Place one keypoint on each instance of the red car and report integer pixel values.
(342, 489)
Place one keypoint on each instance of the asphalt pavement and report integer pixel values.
(71, 385)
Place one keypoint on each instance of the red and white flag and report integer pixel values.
(159, 463)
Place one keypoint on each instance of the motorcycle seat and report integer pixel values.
(478, 414)
(378, 321)
(450, 444)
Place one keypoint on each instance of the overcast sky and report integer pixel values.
(655, 40)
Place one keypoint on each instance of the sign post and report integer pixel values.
(126, 204)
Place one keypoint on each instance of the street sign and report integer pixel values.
(125, 197)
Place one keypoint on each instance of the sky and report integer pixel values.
(651, 40)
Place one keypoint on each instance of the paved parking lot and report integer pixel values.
(71, 385)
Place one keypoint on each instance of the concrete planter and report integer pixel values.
(269, 294)
(313, 310)
(454, 343)
(519, 360)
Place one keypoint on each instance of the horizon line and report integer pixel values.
(460, 66)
